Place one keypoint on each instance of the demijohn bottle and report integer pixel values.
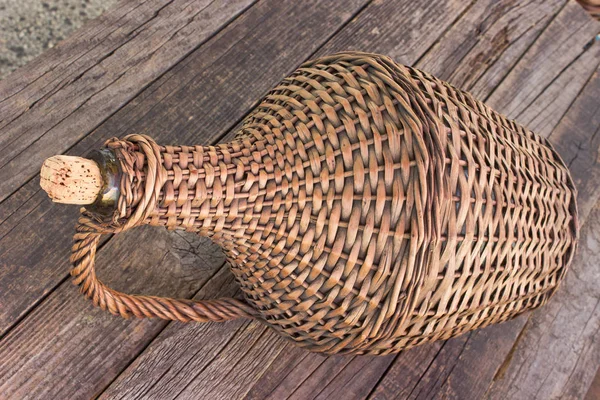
(364, 207)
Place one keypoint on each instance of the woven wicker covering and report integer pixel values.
(592, 7)
(365, 207)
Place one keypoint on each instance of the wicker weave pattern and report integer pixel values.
(592, 7)
(364, 206)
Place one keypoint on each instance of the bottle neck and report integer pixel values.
(204, 189)
(111, 174)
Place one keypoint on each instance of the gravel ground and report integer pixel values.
(28, 27)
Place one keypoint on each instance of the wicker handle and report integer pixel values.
(83, 255)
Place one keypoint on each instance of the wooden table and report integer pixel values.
(188, 71)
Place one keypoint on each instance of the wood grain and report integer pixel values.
(486, 348)
(486, 46)
(201, 77)
(560, 344)
(465, 381)
(577, 139)
(567, 331)
(67, 349)
(405, 372)
(594, 391)
(481, 49)
(164, 111)
(16, 207)
(96, 78)
(556, 67)
(370, 15)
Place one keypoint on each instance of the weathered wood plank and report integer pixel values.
(356, 380)
(223, 89)
(507, 336)
(24, 86)
(320, 371)
(371, 16)
(219, 79)
(285, 374)
(67, 349)
(16, 207)
(188, 129)
(404, 36)
(33, 256)
(439, 370)
(556, 67)
(478, 52)
(594, 390)
(405, 372)
(577, 139)
(55, 111)
(472, 365)
(247, 355)
(479, 361)
(320, 377)
(483, 351)
(558, 352)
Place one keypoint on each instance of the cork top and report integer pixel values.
(71, 180)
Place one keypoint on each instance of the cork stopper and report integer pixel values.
(71, 180)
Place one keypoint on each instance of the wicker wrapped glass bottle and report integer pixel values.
(364, 207)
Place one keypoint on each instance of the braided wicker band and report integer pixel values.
(364, 207)
(90, 228)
